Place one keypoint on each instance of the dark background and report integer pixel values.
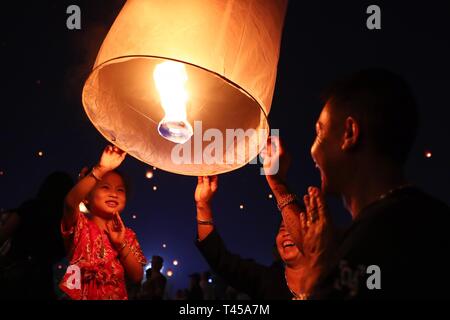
(44, 66)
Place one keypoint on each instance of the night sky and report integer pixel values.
(44, 66)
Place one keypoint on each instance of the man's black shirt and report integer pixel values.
(397, 248)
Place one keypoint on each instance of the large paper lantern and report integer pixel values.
(173, 77)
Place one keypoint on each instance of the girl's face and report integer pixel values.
(108, 196)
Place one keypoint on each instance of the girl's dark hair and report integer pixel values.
(126, 181)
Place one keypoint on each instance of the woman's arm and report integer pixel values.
(206, 188)
(245, 275)
(276, 165)
(242, 274)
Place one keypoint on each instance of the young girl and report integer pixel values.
(102, 252)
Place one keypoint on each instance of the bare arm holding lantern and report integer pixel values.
(276, 165)
(310, 227)
(206, 188)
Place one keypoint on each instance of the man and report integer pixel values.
(397, 244)
(153, 288)
(207, 286)
(245, 275)
(195, 291)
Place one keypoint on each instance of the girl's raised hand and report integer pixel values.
(111, 158)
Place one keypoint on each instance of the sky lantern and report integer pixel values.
(186, 86)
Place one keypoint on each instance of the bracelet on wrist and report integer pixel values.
(92, 174)
(124, 257)
(205, 222)
(286, 200)
(122, 246)
(203, 204)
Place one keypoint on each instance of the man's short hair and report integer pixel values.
(383, 103)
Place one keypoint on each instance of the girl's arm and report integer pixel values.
(116, 231)
(79, 193)
(133, 267)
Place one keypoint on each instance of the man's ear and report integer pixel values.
(351, 134)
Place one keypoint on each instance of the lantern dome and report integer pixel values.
(173, 77)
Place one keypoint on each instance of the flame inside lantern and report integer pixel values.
(170, 79)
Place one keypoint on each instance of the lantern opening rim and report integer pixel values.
(113, 140)
(185, 62)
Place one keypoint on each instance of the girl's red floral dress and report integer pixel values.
(95, 272)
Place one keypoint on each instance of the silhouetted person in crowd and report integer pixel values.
(30, 242)
(397, 245)
(231, 293)
(180, 295)
(195, 291)
(155, 284)
(206, 283)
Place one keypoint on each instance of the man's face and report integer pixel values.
(326, 151)
(288, 251)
